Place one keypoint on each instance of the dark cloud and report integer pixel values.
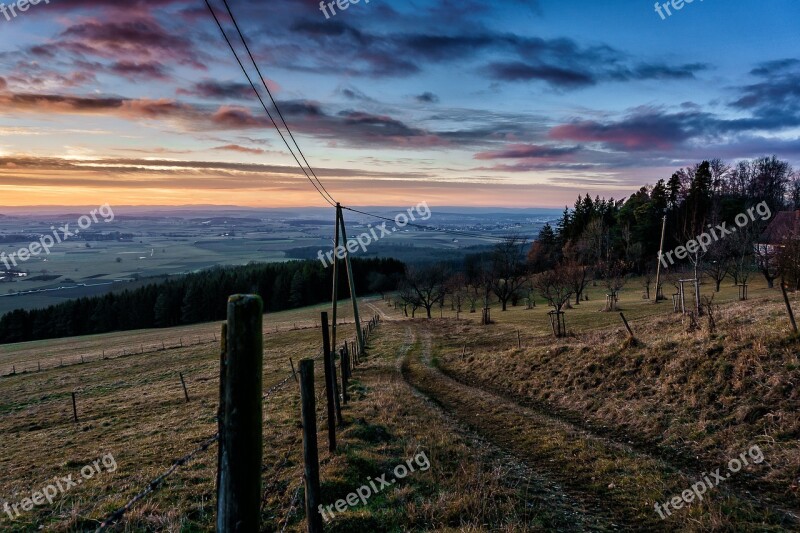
(427, 98)
(775, 100)
(150, 70)
(557, 76)
(776, 66)
(529, 152)
(219, 90)
(643, 130)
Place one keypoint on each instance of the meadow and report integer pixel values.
(523, 432)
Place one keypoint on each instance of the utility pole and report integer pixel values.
(660, 252)
(335, 275)
(350, 281)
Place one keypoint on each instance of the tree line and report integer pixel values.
(607, 241)
(198, 297)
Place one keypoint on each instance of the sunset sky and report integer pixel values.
(518, 103)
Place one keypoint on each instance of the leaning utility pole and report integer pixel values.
(350, 282)
(660, 252)
(335, 297)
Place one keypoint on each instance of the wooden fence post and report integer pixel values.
(330, 392)
(519, 340)
(183, 383)
(344, 364)
(627, 326)
(788, 307)
(223, 365)
(74, 408)
(240, 438)
(310, 451)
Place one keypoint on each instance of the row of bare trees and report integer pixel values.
(506, 274)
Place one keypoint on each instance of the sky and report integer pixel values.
(514, 103)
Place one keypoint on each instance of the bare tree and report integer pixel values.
(508, 268)
(614, 278)
(554, 287)
(717, 264)
(458, 290)
(648, 277)
(424, 287)
(766, 258)
(740, 263)
(578, 277)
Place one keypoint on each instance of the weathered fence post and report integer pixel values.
(310, 451)
(74, 408)
(240, 437)
(223, 361)
(344, 364)
(183, 384)
(330, 392)
(627, 326)
(788, 307)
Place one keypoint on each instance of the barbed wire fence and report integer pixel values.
(158, 482)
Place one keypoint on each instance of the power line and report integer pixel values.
(453, 232)
(327, 198)
(274, 103)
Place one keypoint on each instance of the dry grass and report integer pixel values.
(694, 398)
(685, 401)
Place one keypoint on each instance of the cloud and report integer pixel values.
(149, 70)
(219, 90)
(241, 149)
(774, 67)
(528, 151)
(557, 76)
(776, 98)
(129, 39)
(427, 98)
(644, 129)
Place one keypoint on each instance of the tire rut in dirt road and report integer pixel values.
(539, 492)
(618, 484)
(381, 312)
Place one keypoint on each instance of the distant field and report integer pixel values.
(158, 246)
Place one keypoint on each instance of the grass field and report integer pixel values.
(576, 434)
